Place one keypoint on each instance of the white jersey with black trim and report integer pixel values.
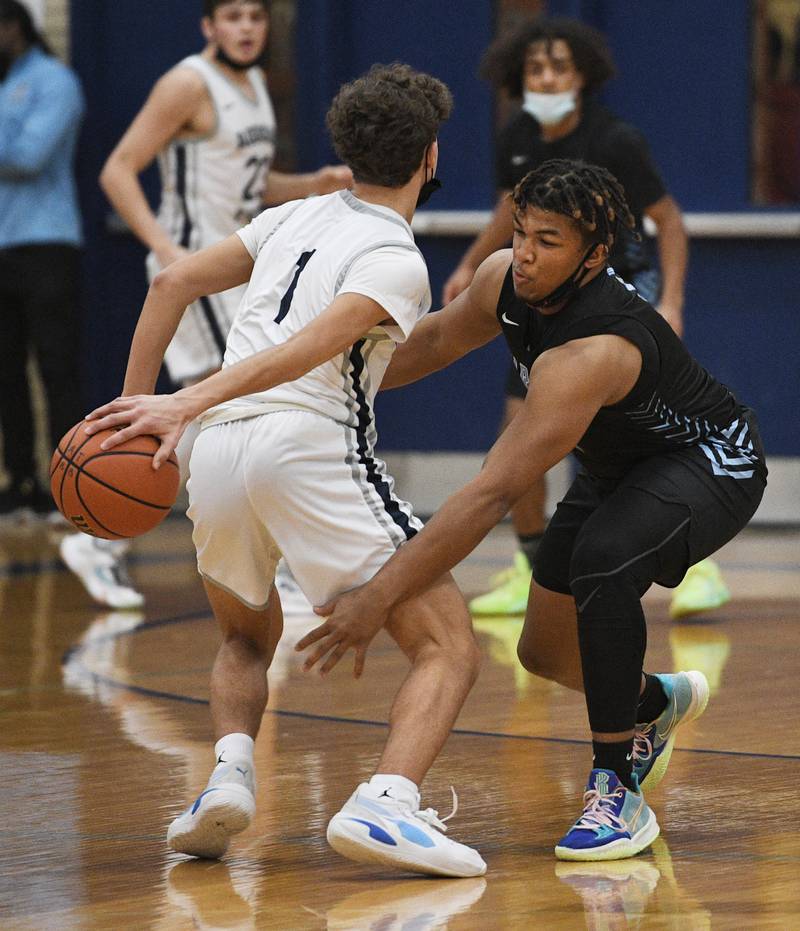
(213, 185)
(306, 254)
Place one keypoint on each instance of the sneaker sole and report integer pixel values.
(700, 695)
(616, 850)
(346, 841)
(215, 823)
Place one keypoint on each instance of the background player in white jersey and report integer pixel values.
(285, 461)
(210, 123)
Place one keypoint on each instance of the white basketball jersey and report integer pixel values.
(306, 254)
(214, 185)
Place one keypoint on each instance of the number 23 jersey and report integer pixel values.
(307, 253)
(213, 185)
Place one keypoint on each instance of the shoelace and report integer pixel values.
(431, 815)
(642, 745)
(596, 814)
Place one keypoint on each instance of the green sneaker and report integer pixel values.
(702, 589)
(511, 594)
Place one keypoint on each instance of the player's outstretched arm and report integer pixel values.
(282, 187)
(168, 111)
(343, 323)
(468, 322)
(568, 386)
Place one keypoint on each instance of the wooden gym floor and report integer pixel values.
(105, 737)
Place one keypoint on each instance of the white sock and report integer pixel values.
(403, 788)
(234, 747)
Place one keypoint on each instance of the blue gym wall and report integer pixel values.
(684, 80)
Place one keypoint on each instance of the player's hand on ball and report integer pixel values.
(352, 620)
(164, 416)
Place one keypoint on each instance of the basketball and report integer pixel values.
(113, 493)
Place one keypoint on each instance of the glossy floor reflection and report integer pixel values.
(105, 737)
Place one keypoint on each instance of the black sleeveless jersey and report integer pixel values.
(675, 403)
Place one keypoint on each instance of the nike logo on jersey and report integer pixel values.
(519, 159)
(385, 793)
(220, 760)
(505, 319)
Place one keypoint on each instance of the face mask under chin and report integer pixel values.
(427, 190)
(224, 59)
(568, 287)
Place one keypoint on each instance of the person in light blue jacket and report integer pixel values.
(41, 108)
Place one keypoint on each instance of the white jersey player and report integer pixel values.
(210, 186)
(285, 462)
(210, 123)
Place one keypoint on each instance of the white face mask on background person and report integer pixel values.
(549, 109)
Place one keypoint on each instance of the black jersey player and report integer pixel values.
(672, 468)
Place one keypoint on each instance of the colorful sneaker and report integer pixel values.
(293, 601)
(687, 697)
(100, 565)
(225, 807)
(391, 830)
(702, 589)
(616, 823)
(510, 594)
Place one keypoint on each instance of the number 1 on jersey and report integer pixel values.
(286, 300)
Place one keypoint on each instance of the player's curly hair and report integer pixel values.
(589, 195)
(503, 62)
(382, 123)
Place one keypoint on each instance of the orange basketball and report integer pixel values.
(112, 493)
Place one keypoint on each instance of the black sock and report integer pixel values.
(529, 543)
(617, 757)
(652, 701)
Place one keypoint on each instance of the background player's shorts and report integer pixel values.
(294, 483)
(199, 342)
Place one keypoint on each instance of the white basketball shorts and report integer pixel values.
(296, 483)
(198, 345)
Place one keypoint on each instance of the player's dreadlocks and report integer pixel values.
(587, 194)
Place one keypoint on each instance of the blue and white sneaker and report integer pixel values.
(687, 696)
(390, 829)
(224, 808)
(616, 823)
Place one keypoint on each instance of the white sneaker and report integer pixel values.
(293, 601)
(101, 568)
(390, 829)
(224, 808)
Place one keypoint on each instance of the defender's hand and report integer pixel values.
(353, 619)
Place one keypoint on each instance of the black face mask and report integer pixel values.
(567, 288)
(428, 188)
(224, 59)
